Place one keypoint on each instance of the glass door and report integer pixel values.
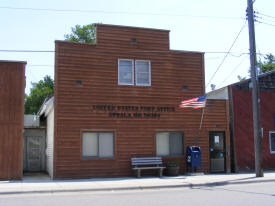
(217, 151)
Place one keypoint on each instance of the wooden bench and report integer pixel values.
(147, 163)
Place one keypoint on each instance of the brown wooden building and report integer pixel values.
(239, 96)
(119, 98)
(12, 86)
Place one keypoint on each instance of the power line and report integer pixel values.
(39, 65)
(117, 12)
(273, 17)
(265, 23)
(26, 51)
(226, 54)
(233, 71)
(235, 54)
(265, 19)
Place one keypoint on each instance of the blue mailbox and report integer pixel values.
(193, 156)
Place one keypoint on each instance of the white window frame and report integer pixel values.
(98, 147)
(133, 74)
(142, 84)
(271, 132)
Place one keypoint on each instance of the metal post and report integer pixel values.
(255, 92)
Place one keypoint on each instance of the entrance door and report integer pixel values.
(34, 154)
(217, 151)
(34, 150)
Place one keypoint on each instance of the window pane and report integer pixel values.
(125, 78)
(106, 145)
(176, 143)
(272, 142)
(89, 144)
(143, 76)
(125, 72)
(125, 63)
(143, 66)
(162, 140)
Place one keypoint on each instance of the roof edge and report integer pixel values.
(13, 61)
(133, 27)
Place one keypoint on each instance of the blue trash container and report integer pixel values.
(193, 157)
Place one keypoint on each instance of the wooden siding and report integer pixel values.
(97, 67)
(108, 36)
(12, 85)
(243, 128)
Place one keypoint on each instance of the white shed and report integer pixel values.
(47, 110)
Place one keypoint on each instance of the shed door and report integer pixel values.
(217, 151)
(34, 153)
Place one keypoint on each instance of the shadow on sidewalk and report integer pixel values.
(44, 178)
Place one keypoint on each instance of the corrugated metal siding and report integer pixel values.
(97, 68)
(12, 84)
(243, 128)
(50, 142)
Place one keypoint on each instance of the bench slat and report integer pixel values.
(145, 161)
(146, 158)
(142, 163)
(147, 168)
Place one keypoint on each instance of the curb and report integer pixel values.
(190, 185)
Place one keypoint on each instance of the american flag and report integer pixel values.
(195, 103)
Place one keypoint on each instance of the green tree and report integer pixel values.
(268, 64)
(82, 34)
(39, 91)
(240, 78)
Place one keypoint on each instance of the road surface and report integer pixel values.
(242, 194)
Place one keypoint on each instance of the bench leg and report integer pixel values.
(138, 173)
(160, 172)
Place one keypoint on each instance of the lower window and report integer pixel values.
(169, 143)
(98, 144)
(272, 141)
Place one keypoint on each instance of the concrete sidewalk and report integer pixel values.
(26, 186)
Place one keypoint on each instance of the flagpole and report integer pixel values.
(197, 138)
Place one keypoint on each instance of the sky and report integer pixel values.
(210, 26)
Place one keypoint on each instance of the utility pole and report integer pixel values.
(255, 93)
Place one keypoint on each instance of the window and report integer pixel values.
(143, 73)
(97, 144)
(125, 72)
(272, 141)
(126, 68)
(169, 143)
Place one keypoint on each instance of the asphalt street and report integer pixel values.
(243, 194)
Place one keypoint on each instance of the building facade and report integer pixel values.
(119, 98)
(12, 86)
(242, 125)
(239, 96)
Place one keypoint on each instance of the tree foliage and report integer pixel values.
(39, 91)
(268, 64)
(82, 34)
(240, 78)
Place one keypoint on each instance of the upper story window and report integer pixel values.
(126, 72)
(128, 69)
(143, 73)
